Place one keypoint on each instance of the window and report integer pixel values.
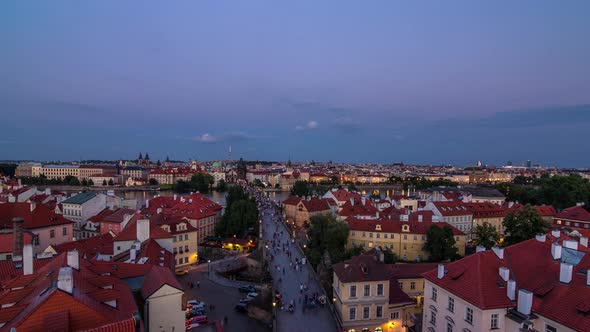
(549, 328)
(52, 233)
(395, 315)
(434, 294)
(352, 291)
(370, 235)
(64, 231)
(180, 261)
(379, 311)
(385, 236)
(449, 327)
(364, 234)
(494, 321)
(412, 285)
(352, 233)
(186, 237)
(451, 306)
(401, 285)
(367, 290)
(377, 235)
(415, 237)
(366, 312)
(174, 238)
(469, 315)
(186, 259)
(186, 248)
(405, 237)
(352, 313)
(379, 289)
(433, 318)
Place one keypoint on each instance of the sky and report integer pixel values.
(426, 82)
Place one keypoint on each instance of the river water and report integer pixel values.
(217, 197)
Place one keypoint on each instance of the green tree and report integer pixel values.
(153, 182)
(104, 182)
(389, 256)
(301, 188)
(351, 187)
(440, 243)
(111, 183)
(258, 183)
(90, 182)
(327, 234)
(522, 225)
(239, 218)
(221, 185)
(84, 182)
(486, 235)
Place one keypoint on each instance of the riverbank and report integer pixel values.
(100, 188)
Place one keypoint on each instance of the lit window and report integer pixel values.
(395, 315)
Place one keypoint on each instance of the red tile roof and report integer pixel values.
(395, 226)
(41, 216)
(452, 208)
(364, 267)
(358, 209)
(121, 326)
(156, 278)
(315, 204)
(580, 213)
(195, 206)
(476, 279)
(292, 200)
(130, 231)
(7, 241)
(90, 247)
(410, 271)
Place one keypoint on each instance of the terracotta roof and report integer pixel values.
(7, 241)
(90, 247)
(410, 271)
(121, 326)
(130, 231)
(581, 213)
(358, 209)
(195, 206)
(41, 216)
(156, 278)
(364, 267)
(292, 200)
(396, 295)
(395, 226)
(452, 208)
(476, 279)
(315, 205)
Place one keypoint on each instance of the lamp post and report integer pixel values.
(209, 267)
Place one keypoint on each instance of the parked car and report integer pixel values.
(194, 313)
(181, 272)
(247, 289)
(241, 307)
(195, 304)
(246, 300)
(192, 327)
(251, 295)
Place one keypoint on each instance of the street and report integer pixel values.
(300, 320)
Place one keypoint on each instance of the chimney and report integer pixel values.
(541, 237)
(352, 201)
(159, 210)
(175, 196)
(504, 273)
(480, 248)
(511, 290)
(132, 254)
(565, 273)
(587, 278)
(65, 280)
(28, 259)
(33, 206)
(570, 244)
(584, 241)
(419, 218)
(499, 252)
(555, 233)
(17, 236)
(525, 302)
(74, 259)
(47, 191)
(441, 271)
(577, 204)
(143, 230)
(556, 251)
(147, 203)
(364, 201)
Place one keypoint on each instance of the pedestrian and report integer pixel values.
(198, 284)
(225, 320)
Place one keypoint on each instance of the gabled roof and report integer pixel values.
(195, 206)
(90, 247)
(364, 267)
(155, 279)
(292, 200)
(315, 204)
(581, 213)
(41, 216)
(452, 208)
(80, 198)
(130, 231)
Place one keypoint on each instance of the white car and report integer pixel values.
(251, 295)
(195, 303)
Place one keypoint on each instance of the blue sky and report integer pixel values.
(380, 81)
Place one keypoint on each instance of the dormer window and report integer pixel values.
(378, 227)
(405, 228)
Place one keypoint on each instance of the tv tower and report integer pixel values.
(229, 154)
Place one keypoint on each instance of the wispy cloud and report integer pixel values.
(309, 126)
(235, 136)
(346, 123)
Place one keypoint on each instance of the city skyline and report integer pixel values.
(436, 84)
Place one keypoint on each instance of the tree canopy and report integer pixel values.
(486, 235)
(522, 225)
(440, 243)
(241, 214)
(201, 182)
(327, 234)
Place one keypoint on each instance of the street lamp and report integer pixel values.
(208, 267)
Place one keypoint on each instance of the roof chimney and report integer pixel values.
(143, 230)
(555, 233)
(17, 236)
(352, 201)
(584, 241)
(420, 218)
(565, 273)
(175, 196)
(480, 248)
(441, 271)
(504, 273)
(65, 280)
(364, 200)
(587, 278)
(159, 210)
(556, 250)
(525, 301)
(147, 203)
(541, 237)
(511, 290)
(570, 244)
(33, 206)
(499, 252)
(28, 259)
(132, 254)
(74, 259)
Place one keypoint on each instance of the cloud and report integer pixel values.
(309, 126)
(346, 123)
(235, 136)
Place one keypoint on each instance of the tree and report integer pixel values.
(258, 183)
(486, 235)
(327, 234)
(389, 256)
(351, 187)
(84, 182)
(153, 182)
(241, 214)
(111, 183)
(440, 243)
(300, 188)
(104, 182)
(90, 182)
(522, 225)
(221, 185)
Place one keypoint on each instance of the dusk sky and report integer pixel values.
(349, 81)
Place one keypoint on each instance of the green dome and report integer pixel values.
(217, 164)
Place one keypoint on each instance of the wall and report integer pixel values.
(45, 238)
(165, 310)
